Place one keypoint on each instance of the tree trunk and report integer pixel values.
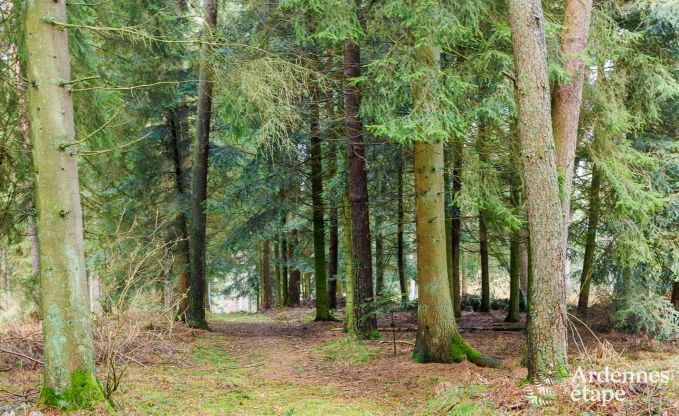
(295, 275)
(315, 153)
(463, 273)
(567, 98)
(69, 368)
(513, 314)
(400, 255)
(195, 313)
(438, 339)
(366, 322)
(485, 273)
(546, 329)
(267, 300)
(379, 245)
(277, 273)
(456, 224)
(514, 309)
(483, 229)
(448, 223)
(349, 309)
(523, 247)
(284, 267)
(334, 286)
(675, 295)
(590, 243)
(178, 123)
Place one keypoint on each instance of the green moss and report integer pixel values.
(372, 335)
(84, 392)
(459, 350)
(348, 351)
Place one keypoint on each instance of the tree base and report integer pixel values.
(84, 393)
(458, 350)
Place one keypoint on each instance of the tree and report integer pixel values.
(567, 97)
(268, 301)
(358, 193)
(195, 313)
(438, 339)
(315, 154)
(69, 375)
(546, 329)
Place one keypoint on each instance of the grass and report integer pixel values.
(348, 351)
(212, 383)
(238, 317)
(462, 400)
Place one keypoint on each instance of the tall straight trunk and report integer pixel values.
(590, 243)
(277, 272)
(485, 272)
(295, 275)
(334, 286)
(284, 268)
(567, 98)
(195, 313)
(456, 224)
(400, 255)
(463, 273)
(546, 329)
(69, 368)
(366, 322)
(349, 279)
(447, 176)
(267, 300)
(483, 229)
(438, 339)
(315, 153)
(514, 309)
(513, 314)
(379, 244)
(178, 123)
(675, 295)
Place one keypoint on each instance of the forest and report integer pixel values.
(339, 207)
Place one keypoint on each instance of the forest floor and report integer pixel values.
(283, 363)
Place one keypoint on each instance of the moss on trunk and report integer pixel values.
(83, 393)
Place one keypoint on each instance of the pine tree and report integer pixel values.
(546, 330)
(69, 374)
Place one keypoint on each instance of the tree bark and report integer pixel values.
(400, 255)
(483, 229)
(675, 295)
(366, 322)
(178, 123)
(266, 274)
(456, 224)
(315, 153)
(590, 243)
(69, 367)
(195, 313)
(546, 329)
(295, 274)
(567, 98)
(438, 339)
(379, 244)
(485, 272)
(334, 286)
(349, 309)
(284, 267)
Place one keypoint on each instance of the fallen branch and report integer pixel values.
(18, 354)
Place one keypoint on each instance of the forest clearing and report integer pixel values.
(339, 207)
